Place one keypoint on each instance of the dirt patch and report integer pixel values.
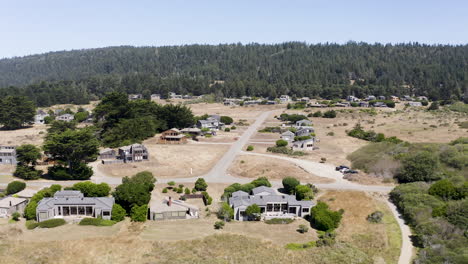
(171, 160)
(31, 135)
(256, 166)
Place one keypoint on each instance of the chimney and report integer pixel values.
(10, 203)
(169, 203)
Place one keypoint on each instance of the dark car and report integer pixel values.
(351, 171)
(341, 167)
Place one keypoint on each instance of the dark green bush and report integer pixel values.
(219, 225)
(279, 221)
(118, 213)
(15, 186)
(51, 223)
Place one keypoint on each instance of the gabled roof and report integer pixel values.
(239, 193)
(263, 189)
(73, 198)
(288, 133)
(5, 202)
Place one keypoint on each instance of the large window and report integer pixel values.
(158, 216)
(284, 207)
(175, 214)
(73, 210)
(277, 207)
(89, 210)
(305, 210)
(81, 210)
(269, 208)
(66, 211)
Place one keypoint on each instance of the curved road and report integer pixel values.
(218, 174)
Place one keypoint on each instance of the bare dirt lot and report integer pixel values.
(171, 160)
(255, 166)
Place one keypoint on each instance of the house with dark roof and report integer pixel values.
(303, 145)
(288, 136)
(304, 131)
(167, 208)
(271, 203)
(72, 205)
(133, 153)
(303, 122)
(213, 123)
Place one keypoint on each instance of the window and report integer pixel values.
(182, 213)
(81, 210)
(43, 215)
(73, 210)
(269, 208)
(105, 213)
(59, 210)
(89, 210)
(175, 214)
(277, 207)
(305, 210)
(262, 209)
(284, 207)
(158, 216)
(66, 211)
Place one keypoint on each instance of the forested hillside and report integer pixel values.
(325, 70)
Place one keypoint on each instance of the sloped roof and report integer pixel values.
(100, 202)
(288, 133)
(262, 189)
(5, 202)
(239, 193)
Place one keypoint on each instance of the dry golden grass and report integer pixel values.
(171, 160)
(256, 166)
(381, 241)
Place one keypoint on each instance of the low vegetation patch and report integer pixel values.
(270, 130)
(51, 223)
(300, 246)
(279, 221)
(97, 222)
(359, 132)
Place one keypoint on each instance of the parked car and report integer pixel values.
(351, 171)
(339, 168)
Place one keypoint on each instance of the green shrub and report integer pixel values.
(233, 128)
(164, 190)
(250, 148)
(329, 114)
(300, 138)
(171, 183)
(14, 187)
(225, 212)
(118, 213)
(90, 189)
(420, 166)
(302, 229)
(187, 190)
(289, 184)
(253, 212)
(281, 150)
(281, 143)
(226, 120)
(261, 181)
(139, 213)
(15, 216)
(51, 223)
(299, 246)
(375, 217)
(219, 225)
(317, 114)
(322, 218)
(31, 224)
(444, 189)
(227, 129)
(201, 185)
(96, 222)
(279, 221)
(303, 192)
(27, 172)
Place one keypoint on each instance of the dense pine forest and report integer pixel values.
(319, 70)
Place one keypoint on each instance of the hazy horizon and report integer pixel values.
(32, 27)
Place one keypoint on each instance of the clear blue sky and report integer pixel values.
(37, 26)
